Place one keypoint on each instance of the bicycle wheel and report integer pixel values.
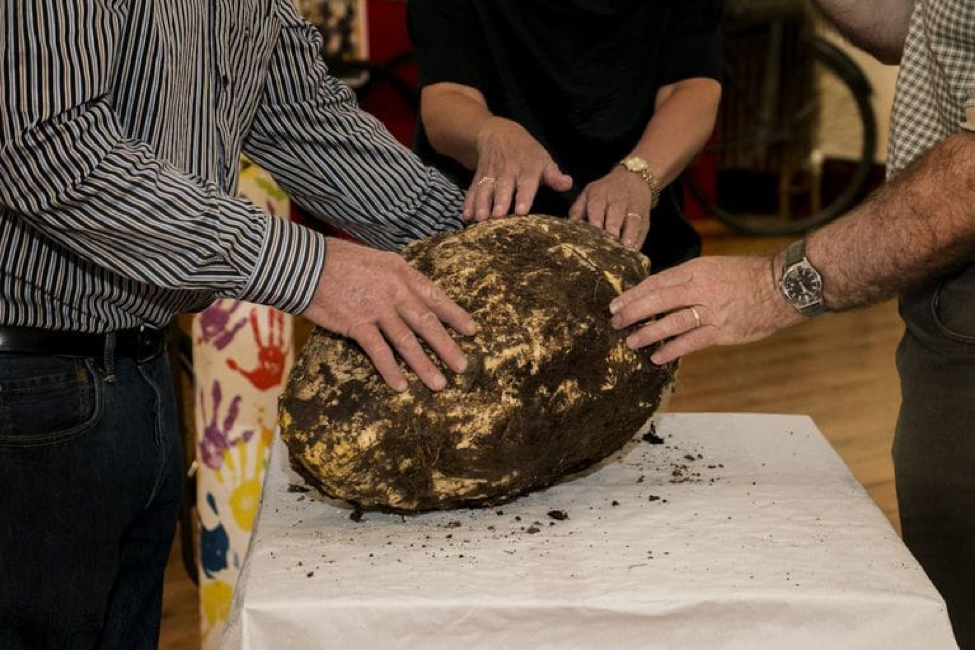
(797, 147)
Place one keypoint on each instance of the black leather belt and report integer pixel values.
(139, 343)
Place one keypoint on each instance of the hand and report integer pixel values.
(367, 295)
(510, 163)
(618, 203)
(735, 298)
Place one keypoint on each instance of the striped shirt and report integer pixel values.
(121, 124)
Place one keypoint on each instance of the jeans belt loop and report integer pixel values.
(108, 358)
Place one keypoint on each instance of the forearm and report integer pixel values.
(920, 225)
(681, 125)
(335, 160)
(453, 117)
(876, 26)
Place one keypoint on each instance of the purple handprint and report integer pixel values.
(216, 439)
(215, 324)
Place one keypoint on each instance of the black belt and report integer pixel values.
(139, 343)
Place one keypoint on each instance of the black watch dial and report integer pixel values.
(802, 286)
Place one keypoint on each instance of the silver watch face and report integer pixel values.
(802, 286)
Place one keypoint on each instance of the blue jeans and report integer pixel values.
(90, 489)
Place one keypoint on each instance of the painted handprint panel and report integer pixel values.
(241, 355)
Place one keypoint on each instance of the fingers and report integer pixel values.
(669, 326)
(670, 278)
(504, 189)
(635, 230)
(578, 210)
(437, 301)
(527, 188)
(425, 323)
(492, 196)
(615, 214)
(596, 210)
(422, 315)
(652, 304)
(469, 200)
(696, 339)
(554, 178)
(376, 348)
(401, 336)
(484, 197)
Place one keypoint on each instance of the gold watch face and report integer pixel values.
(635, 163)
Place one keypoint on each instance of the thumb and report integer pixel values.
(554, 178)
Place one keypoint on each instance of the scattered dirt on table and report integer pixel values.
(651, 435)
(467, 528)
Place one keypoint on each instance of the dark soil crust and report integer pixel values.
(551, 388)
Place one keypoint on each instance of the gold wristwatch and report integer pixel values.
(638, 165)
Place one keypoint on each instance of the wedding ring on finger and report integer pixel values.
(485, 179)
(634, 215)
(697, 317)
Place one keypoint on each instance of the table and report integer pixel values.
(740, 531)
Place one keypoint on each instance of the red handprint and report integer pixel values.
(270, 356)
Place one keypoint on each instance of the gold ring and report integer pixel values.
(634, 214)
(485, 179)
(697, 317)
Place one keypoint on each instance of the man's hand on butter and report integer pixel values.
(377, 299)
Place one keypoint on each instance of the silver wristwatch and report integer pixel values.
(801, 283)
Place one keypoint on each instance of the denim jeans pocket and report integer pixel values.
(46, 400)
(953, 306)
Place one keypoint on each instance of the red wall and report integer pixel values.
(388, 39)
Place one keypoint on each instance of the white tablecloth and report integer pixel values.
(760, 538)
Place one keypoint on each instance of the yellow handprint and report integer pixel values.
(216, 596)
(246, 495)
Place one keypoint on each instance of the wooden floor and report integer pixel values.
(839, 369)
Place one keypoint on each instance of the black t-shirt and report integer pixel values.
(580, 75)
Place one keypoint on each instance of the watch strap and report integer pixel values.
(794, 254)
(654, 186)
(814, 309)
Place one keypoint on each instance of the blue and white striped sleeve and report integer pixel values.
(337, 161)
(68, 169)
